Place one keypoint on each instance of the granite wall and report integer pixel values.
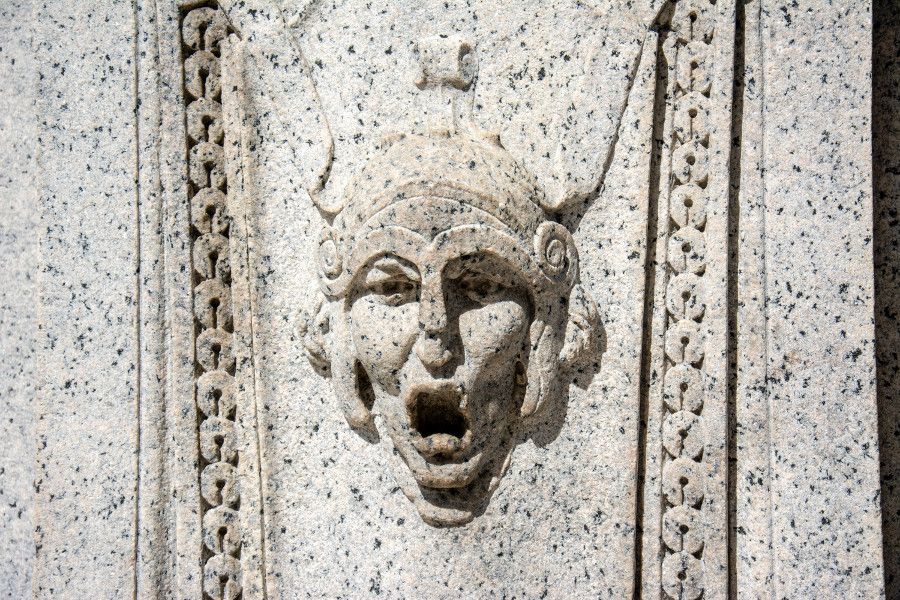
(18, 309)
(102, 491)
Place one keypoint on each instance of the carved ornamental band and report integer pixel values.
(688, 395)
(203, 29)
(684, 435)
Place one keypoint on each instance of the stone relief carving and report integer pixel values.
(684, 437)
(203, 30)
(434, 238)
(451, 307)
(687, 418)
(454, 303)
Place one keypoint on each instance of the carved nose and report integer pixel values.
(431, 347)
(432, 351)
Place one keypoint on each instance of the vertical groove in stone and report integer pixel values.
(659, 112)
(886, 180)
(737, 117)
(752, 536)
(138, 292)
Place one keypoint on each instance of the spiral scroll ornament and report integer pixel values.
(555, 251)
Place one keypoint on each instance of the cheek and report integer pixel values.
(496, 331)
(383, 336)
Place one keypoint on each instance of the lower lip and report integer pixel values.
(447, 476)
(441, 447)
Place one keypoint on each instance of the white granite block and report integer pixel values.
(18, 308)
(87, 363)
(825, 501)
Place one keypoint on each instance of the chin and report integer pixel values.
(447, 461)
(453, 506)
(448, 492)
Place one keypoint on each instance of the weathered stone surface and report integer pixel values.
(87, 363)
(817, 185)
(442, 299)
(562, 449)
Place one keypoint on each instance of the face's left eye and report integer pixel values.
(482, 288)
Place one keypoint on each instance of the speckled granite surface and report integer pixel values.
(817, 184)
(87, 364)
(442, 299)
(568, 489)
(18, 319)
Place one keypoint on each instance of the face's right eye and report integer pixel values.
(481, 288)
(394, 291)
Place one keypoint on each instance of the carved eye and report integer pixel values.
(394, 291)
(391, 281)
(481, 288)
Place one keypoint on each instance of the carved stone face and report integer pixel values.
(451, 307)
(442, 335)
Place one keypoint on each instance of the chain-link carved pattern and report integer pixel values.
(690, 54)
(202, 30)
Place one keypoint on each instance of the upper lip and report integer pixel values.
(439, 419)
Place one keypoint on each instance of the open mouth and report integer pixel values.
(439, 424)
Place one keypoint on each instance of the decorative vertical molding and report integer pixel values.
(199, 519)
(154, 542)
(684, 422)
(237, 145)
(685, 549)
(203, 30)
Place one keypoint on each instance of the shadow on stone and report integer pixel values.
(886, 176)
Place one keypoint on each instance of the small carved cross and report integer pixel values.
(446, 72)
(445, 61)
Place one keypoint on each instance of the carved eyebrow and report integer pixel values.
(488, 266)
(389, 267)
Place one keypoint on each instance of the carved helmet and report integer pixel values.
(475, 173)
